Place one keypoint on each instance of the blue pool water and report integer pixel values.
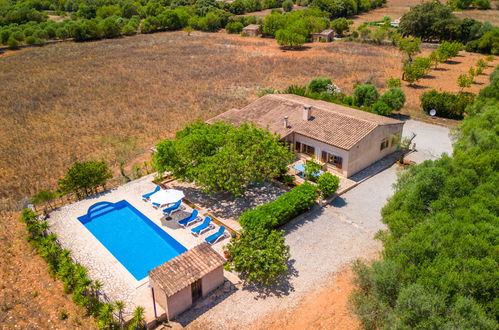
(137, 242)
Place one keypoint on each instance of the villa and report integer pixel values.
(344, 139)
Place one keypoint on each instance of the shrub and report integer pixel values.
(12, 42)
(446, 104)
(260, 255)
(381, 108)
(365, 95)
(234, 27)
(282, 210)
(394, 98)
(327, 184)
(447, 50)
(312, 169)
(318, 85)
(393, 83)
(287, 5)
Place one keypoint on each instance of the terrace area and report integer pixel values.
(118, 283)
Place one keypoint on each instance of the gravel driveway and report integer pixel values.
(321, 243)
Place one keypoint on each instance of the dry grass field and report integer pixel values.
(396, 8)
(113, 99)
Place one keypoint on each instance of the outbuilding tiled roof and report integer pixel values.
(330, 123)
(187, 268)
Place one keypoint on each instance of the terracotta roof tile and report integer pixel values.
(185, 269)
(331, 123)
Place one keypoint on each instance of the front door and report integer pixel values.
(197, 290)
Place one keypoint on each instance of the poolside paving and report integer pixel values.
(118, 283)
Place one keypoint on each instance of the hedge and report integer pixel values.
(282, 210)
(447, 105)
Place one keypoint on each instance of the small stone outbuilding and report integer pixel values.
(252, 30)
(323, 36)
(179, 282)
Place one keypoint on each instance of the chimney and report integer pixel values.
(286, 122)
(307, 109)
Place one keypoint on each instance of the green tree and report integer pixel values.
(318, 85)
(222, 157)
(409, 46)
(394, 98)
(83, 178)
(12, 42)
(393, 83)
(341, 25)
(365, 95)
(312, 170)
(234, 27)
(287, 5)
(413, 72)
(260, 255)
(464, 81)
(42, 197)
(289, 39)
(105, 317)
(447, 50)
(419, 21)
(381, 108)
(328, 184)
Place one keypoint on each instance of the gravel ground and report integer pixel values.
(431, 140)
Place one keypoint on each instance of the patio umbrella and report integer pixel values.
(168, 196)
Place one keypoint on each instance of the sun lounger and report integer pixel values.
(206, 225)
(212, 239)
(146, 197)
(192, 218)
(174, 208)
(158, 206)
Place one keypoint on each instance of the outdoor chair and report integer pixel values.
(206, 225)
(146, 197)
(174, 208)
(192, 218)
(212, 239)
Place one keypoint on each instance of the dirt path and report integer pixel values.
(322, 309)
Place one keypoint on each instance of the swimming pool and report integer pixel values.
(137, 242)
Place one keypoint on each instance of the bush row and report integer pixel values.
(282, 210)
(73, 276)
(447, 105)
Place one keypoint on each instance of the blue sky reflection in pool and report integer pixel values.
(137, 242)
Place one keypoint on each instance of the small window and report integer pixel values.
(309, 150)
(298, 147)
(337, 161)
(384, 144)
(324, 157)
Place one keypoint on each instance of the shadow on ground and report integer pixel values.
(282, 287)
(205, 304)
(226, 206)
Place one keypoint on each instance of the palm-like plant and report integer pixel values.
(138, 320)
(106, 320)
(120, 307)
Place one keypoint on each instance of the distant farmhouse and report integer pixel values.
(346, 140)
(252, 30)
(323, 36)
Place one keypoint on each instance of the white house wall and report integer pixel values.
(321, 146)
(367, 151)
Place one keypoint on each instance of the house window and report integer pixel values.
(298, 147)
(325, 157)
(334, 160)
(337, 161)
(309, 150)
(384, 144)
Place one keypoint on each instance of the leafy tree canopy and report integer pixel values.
(223, 157)
(84, 177)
